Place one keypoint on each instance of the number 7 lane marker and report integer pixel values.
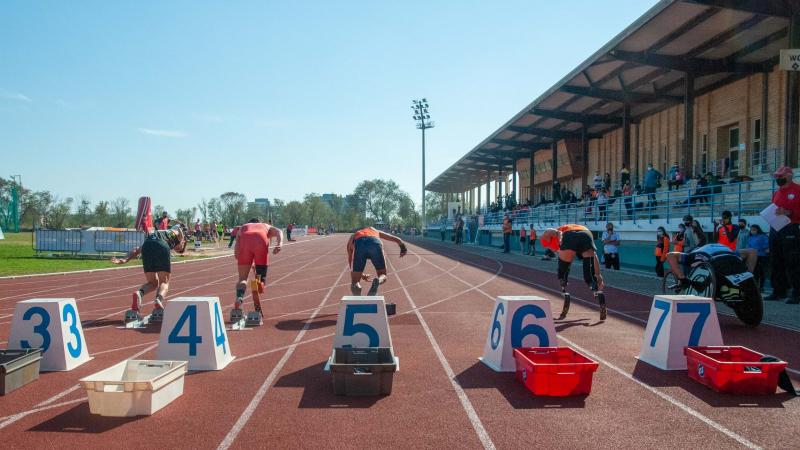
(262, 391)
(686, 408)
(477, 425)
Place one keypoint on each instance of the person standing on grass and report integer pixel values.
(366, 244)
(252, 248)
(611, 242)
(506, 234)
(198, 230)
(155, 251)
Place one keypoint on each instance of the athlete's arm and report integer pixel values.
(275, 232)
(395, 239)
(132, 254)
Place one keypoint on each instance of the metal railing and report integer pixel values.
(745, 198)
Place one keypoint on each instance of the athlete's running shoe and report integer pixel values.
(239, 303)
(158, 304)
(137, 301)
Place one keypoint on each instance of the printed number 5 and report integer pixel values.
(351, 329)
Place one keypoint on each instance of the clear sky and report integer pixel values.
(182, 100)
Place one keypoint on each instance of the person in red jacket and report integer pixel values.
(576, 241)
(784, 244)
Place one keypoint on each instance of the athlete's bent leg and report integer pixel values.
(163, 287)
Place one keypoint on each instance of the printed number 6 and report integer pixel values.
(351, 329)
(40, 329)
(69, 310)
(518, 332)
(496, 326)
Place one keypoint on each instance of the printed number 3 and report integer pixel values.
(40, 329)
(69, 310)
(351, 328)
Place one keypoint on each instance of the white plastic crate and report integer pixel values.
(134, 387)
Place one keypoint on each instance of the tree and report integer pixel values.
(83, 212)
(186, 216)
(233, 206)
(59, 212)
(381, 198)
(101, 217)
(157, 211)
(317, 211)
(203, 208)
(433, 206)
(121, 212)
(294, 212)
(215, 210)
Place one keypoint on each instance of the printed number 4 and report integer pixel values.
(350, 328)
(219, 330)
(192, 339)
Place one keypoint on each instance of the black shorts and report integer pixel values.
(155, 256)
(578, 241)
(368, 248)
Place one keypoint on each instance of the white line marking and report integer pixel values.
(8, 420)
(262, 391)
(477, 425)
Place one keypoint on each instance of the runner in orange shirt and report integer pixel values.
(366, 244)
(571, 241)
(252, 247)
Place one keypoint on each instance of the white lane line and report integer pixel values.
(262, 391)
(686, 408)
(477, 425)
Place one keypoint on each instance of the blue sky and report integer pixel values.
(182, 100)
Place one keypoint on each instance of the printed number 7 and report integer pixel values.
(703, 310)
(664, 306)
(351, 328)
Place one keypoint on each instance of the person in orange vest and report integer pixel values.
(532, 242)
(506, 234)
(366, 244)
(523, 239)
(661, 251)
(678, 237)
(727, 232)
(576, 241)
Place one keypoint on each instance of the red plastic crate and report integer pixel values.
(554, 371)
(735, 370)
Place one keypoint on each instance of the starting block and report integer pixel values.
(134, 320)
(194, 331)
(157, 315)
(54, 325)
(362, 323)
(517, 321)
(675, 322)
(238, 320)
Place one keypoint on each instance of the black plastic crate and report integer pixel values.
(363, 371)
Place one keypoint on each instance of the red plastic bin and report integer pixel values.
(734, 370)
(554, 371)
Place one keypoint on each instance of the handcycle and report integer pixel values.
(722, 277)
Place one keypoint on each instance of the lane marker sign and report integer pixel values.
(517, 321)
(54, 325)
(677, 321)
(194, 330)
(362, 323)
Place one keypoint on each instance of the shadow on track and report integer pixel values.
(318, 390)
(479, 376)
(298, 324)
(80, 420)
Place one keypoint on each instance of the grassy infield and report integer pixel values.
(18, 258)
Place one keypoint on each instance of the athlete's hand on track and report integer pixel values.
(116, 260)
(276, 250)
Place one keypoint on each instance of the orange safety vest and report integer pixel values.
(662, 253)
(522, 232)
(366, 232)
(533, 235)
(723, 238)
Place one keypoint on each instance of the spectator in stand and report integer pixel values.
(523, 239)
(726, 232)
(607, 181)
(784, 244)
(759, 241)
(673, 179)
(678, 239)
(652, 180)
(598, 180)
(506, 234)
(744, 235)
(624, 175)
(532, 241)
(662, 248)
(162, 223)
(611, 244)
(602, 201)
(626, 193)
(556, 192)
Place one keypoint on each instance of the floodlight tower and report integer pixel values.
(423, 118)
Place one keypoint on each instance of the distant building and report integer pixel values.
(262, 205)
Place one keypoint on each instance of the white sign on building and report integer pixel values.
(790, 60)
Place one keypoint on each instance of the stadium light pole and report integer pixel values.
(423, 119)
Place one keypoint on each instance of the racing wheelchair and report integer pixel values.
(722, 276)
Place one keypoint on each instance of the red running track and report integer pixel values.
(276, 395)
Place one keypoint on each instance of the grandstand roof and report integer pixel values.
(718, 41)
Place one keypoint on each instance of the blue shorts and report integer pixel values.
(368, 248)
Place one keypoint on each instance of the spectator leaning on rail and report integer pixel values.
(611, 242)
(784, 244)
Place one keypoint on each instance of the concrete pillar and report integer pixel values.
(531, 175)
(585, 156)
(514, 187)
(688, 123)
(792, 100)
(626, 136)
(555, 161)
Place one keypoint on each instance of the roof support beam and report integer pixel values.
(543, 132)
(521, 144)
(631, 97)
(687, 65)
(777, 8)
(586, 119)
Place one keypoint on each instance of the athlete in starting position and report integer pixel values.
(366, 244)
(571, 241)
(252, 247)
(155, 253)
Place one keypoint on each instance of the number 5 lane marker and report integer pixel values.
(483, 435)
(262, 391)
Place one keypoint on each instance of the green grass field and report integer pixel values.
(18, 258)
